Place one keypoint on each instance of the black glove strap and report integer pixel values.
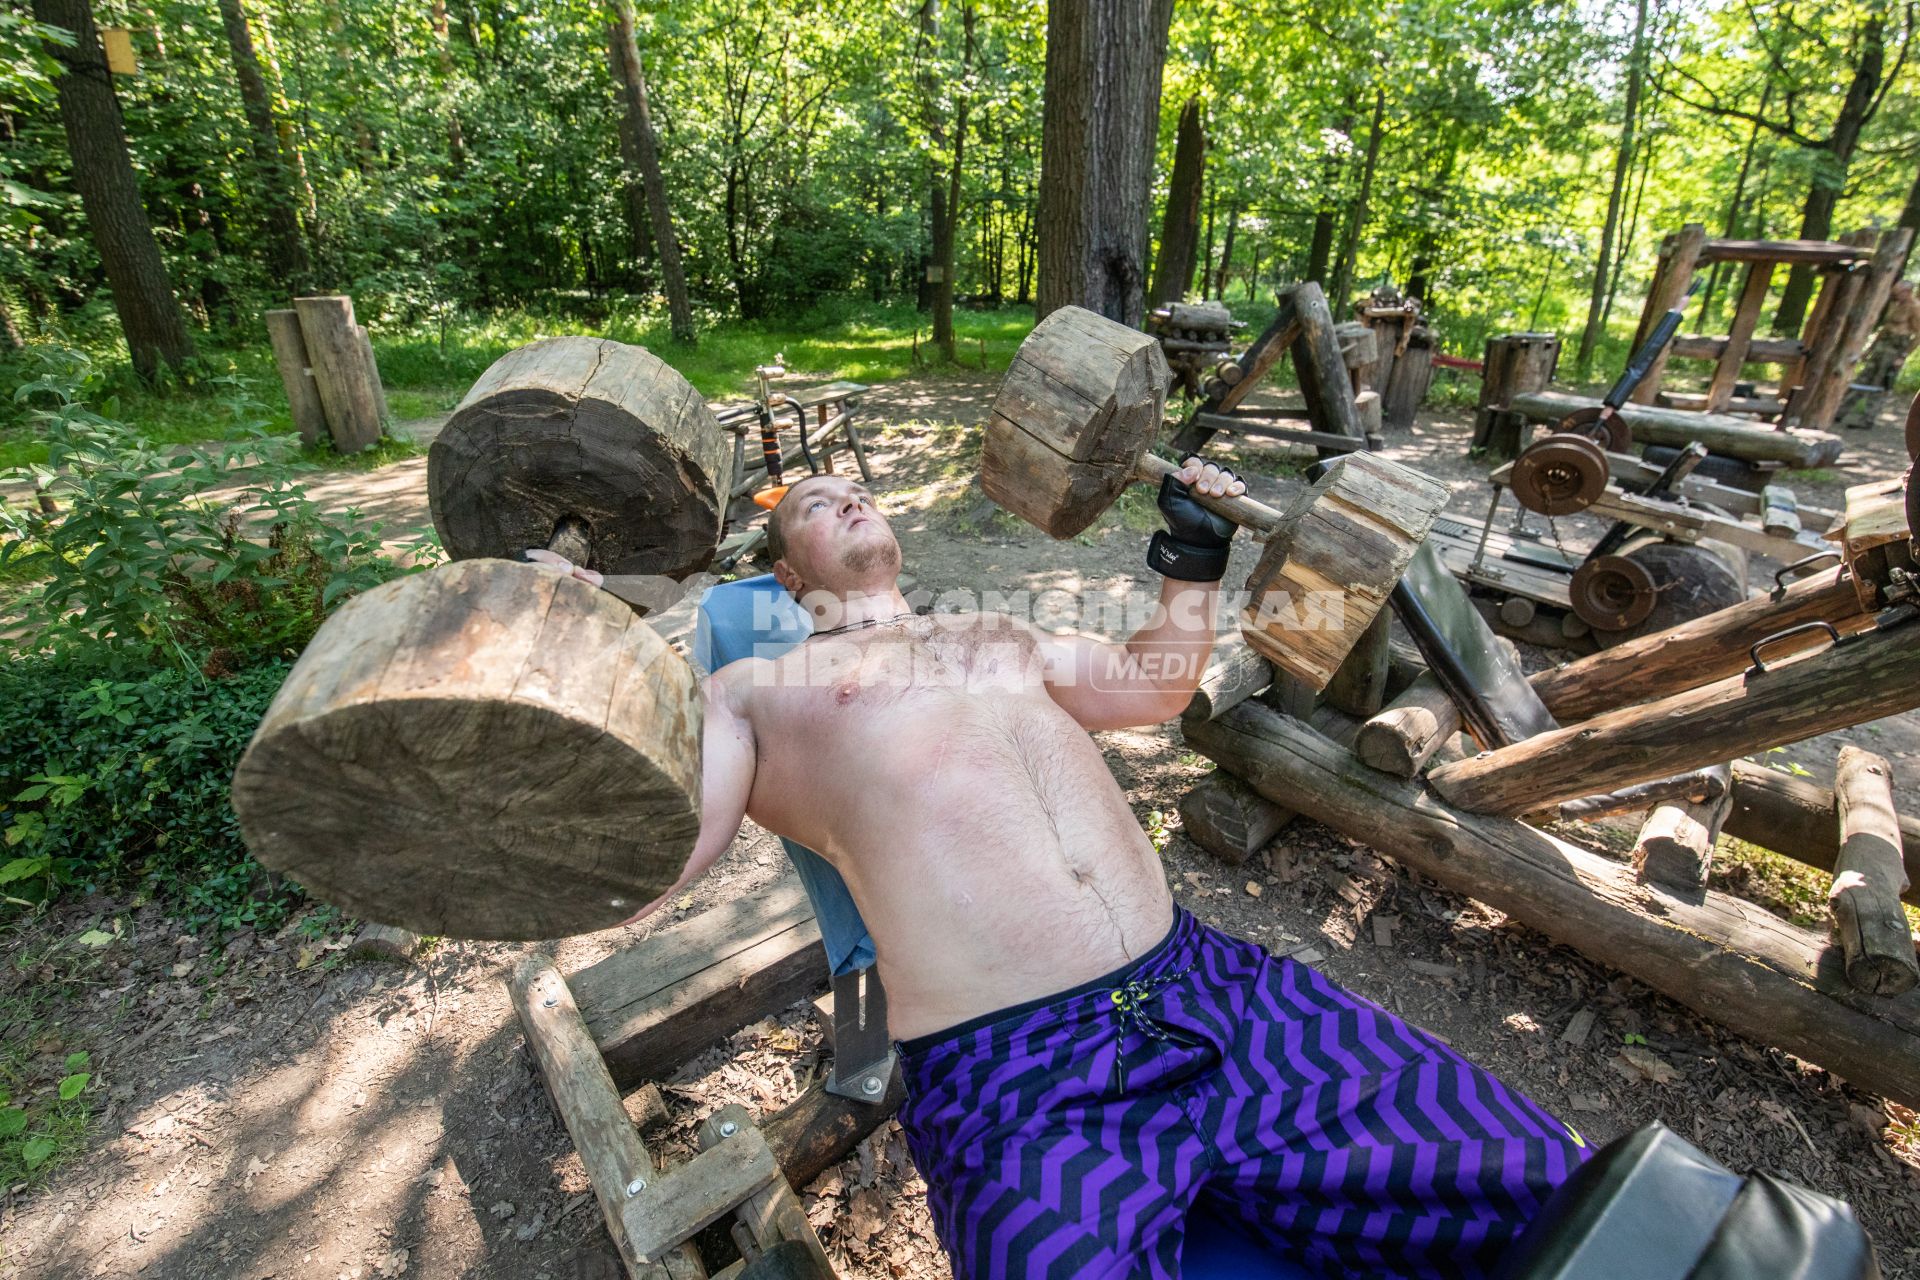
(1185, 562)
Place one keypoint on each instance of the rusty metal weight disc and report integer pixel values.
(1612, 593)
(1560, 475)
(1606, 430)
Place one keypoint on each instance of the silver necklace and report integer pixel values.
(865, 624)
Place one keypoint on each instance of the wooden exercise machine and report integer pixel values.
(1651, 724)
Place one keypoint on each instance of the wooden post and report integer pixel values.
(1358, 351)
(373, 371)
(1412, 374)
(1725, 958)
(1869, 876)
(1827, 385)
(1794, 817)
(1318, 365)
(1359, 687)
(584, 1095)
(1746, 317)
(1368, 413)
(1678, 253)
(1228, 819)
(1869, 676)
(1514, 364)
(1235, 672)
(1404, 736)
(296, 375)
(1676, 841)
(346, 382)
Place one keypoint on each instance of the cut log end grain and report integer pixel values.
(486, 750)
(1081, 402)
(587, 430)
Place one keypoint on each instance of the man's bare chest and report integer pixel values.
(828, 689)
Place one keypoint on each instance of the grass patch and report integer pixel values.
(426, 369)
(387, 449)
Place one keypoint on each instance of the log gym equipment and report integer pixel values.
(1676, 548)
(1652, 722)
(381, 775)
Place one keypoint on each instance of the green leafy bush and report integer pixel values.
(174, 585)
(148, 561)
(109, 781)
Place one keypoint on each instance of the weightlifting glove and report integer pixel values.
(1194, 545)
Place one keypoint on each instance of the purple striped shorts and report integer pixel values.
(1073, 1135)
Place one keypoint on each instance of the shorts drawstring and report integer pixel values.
(1128, 1001)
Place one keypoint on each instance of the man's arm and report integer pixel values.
(727, 756)
(1151, 677)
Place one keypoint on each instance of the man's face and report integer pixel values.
(836, 539)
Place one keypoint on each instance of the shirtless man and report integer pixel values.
(1083, 1059)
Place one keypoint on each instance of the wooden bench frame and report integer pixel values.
(609, 1028)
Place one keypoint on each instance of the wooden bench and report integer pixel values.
(638, 1014)
(831, 405)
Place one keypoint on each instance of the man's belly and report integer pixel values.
(990, 851)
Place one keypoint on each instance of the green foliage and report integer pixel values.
(143, 563)
(34, 1131)
(113, 780)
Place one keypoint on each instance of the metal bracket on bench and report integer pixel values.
(863, 1056)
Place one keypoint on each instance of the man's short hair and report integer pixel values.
(776, 533)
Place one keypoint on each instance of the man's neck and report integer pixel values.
(834, 613)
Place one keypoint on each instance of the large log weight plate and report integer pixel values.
(483, 750)
(600, 431)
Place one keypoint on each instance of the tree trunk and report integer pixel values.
(10, 340)
(638, 217)
(1910, 219)
(150, 315)
(1622, 167)
(1206, 253)
(1097, 152)
(1830, 170)
(634, 91)
(944, 202)
(1226, 250)
(1320, 245)
(1357, 213)
(1647, 149)
(287, 250)
(443, 47)
(1179, 229)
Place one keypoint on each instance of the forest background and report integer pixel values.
(471, 171)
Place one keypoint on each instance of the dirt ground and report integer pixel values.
(270, 1109)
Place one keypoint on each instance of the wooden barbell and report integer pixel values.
(490, 750)
(1071, 428)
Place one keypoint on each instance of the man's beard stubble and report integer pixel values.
(865, 559)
